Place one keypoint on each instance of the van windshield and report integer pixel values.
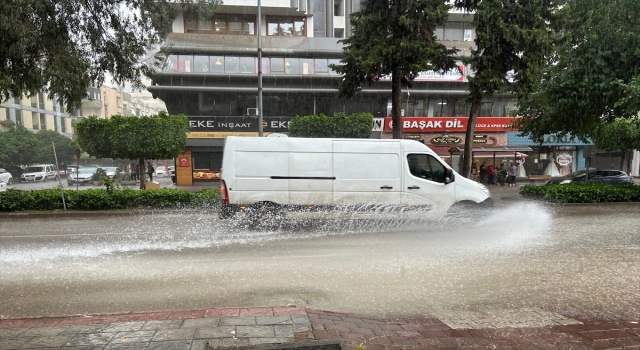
(35, 169)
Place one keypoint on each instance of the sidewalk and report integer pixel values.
(246, 327)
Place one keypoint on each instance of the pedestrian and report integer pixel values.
(512, 174)
(150, 171)
(483, 173)
(501, 174)
(474, 172)
(491, 175)
(134, 172)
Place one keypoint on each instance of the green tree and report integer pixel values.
(341, 125)
(65, 46)
(396, 38)
(512, 41)
(594, 74)
(18, 146)
(621, 134)
(64, 150)
(131, 137)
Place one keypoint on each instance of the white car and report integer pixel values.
(111, 170)
(6, 177)
(160, 172)
(3, 186)
(40, 172)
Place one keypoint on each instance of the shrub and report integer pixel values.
(341, 125)
(103, 199)
(592, 192)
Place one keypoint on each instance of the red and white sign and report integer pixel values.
(450, 124)
(430, 75)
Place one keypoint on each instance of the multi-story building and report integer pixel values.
(37, 113)
(211, 75)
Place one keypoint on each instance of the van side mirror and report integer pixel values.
(450, 177)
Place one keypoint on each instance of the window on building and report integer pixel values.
(201, 63)
(216, 64)
(232, 24)
(355, 5)
(292, 65)
(184, 63)
(321, 66)
(454, 31)
(485, 109)
(248, 65)
(231, 64)
(319, 18)
(118, 102)
(191, 25)
(207, 160)
(436, 107)
(286, 26)
(460, 108)
(277, 65)
(306, 66)
(205, 26)
(223, 24)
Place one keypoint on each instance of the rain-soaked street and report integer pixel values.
(575, 260)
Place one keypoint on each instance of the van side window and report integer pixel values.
(426, 167)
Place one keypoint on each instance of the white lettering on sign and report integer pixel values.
(432, 124)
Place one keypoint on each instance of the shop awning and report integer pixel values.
(441, 151)
(512, 149)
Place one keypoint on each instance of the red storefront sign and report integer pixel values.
(450, 124)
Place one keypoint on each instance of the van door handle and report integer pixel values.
(385, 187)
(413, 187)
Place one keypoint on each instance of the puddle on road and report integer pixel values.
(74, 239)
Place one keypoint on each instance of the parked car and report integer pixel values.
(160, 172)
(111, 170)
(611, 177)
(3, 186)
(82, 176)
(40, 172)
(6, 177)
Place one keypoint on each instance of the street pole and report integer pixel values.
(55, 156)
(260, 68)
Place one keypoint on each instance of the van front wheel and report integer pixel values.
(466, 211)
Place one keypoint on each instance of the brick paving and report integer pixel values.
(245, 327)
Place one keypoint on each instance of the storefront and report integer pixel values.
(444, 134)
(555, 156)
(201, 160)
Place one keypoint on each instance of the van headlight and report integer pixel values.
(483, 188)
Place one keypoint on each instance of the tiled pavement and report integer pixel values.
(244, 327)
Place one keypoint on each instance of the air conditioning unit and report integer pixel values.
(253, 112)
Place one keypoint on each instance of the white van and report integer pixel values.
(263, 174)
(40, 172)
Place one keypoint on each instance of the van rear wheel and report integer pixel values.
(265, 215)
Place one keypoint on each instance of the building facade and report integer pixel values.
(211, 75)
(37, 113)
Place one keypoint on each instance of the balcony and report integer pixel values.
(86, 103)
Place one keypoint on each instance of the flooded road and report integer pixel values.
(576, 260)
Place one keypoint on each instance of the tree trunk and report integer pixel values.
(468, 139)
(142, 174)
(396, 101)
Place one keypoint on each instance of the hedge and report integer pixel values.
(592, 192)
(104, 199)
